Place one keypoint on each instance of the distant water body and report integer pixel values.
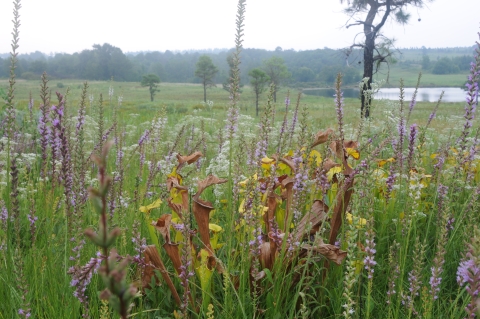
(424, 94)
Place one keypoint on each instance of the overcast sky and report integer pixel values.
(71, 25)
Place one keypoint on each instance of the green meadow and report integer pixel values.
(115, 206)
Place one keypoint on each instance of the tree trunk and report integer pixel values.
(367, 72)
(204, 92)
(256, 103)
(371, 32)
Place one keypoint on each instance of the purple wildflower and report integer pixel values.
(281, 139)
(339, 104)
(80, 119)
(3, 214)
(82, 277)
(450, 222)
(67, 173)
(370, 250)
(260, 151)
(435, 281)
(468, 273)
(144, 138)
(24, 313)
(466, 270)
(44, 131)
(411, 144)
(471, 99)
(232, 122)
(413, 102)
(140, 244)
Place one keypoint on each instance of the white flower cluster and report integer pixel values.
(415, 192)
(90, 131)
(208, 104)
(219, 166)
(245, 126)
(166, 165)
(375, 87)
(28, 159)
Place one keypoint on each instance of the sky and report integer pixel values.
(68, 26)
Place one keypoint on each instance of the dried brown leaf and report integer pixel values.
(163, 226)
(337, 149)
(174, 255)
(317, 215)
(201, 212)
(272, 202)
(328, 164)
(322, 137)
(192, 158)
(173, 182)
(209, 181)
(350, 144)
(266, 259)
(330, 252)
(287, 184)
(153, 257)
(288, 161)
(341, 203)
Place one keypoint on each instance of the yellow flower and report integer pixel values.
(267, 164)
(289, 153)
(284, 169)
(333, 171)
(215, 229)
(359, 222)
(245, 182)
(176, 175)
(358, 264)
(176, 195)
(204, 272)
(382, 162)
(353, 153)
(148, 208)
(315, 157)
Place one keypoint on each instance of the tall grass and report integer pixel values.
(308, 212)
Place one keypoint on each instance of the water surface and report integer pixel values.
(424, 94)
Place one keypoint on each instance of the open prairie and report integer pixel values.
(167, 200)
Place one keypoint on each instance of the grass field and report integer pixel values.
(428, 79)
(185, 98)
(113, 206)
(411, 217)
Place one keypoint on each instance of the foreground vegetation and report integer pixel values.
(113, 206)
(395, 204)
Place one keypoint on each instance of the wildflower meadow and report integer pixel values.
(111, 209)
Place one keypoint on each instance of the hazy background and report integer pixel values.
(70, 26)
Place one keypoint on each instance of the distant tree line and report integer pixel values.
(438, 60)
(103, 62)
(305, 68)
(447, 65)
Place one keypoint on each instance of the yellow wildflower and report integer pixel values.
(148, 208)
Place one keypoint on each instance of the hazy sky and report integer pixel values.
(73, 25)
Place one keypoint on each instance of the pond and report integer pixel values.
(424, 94)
